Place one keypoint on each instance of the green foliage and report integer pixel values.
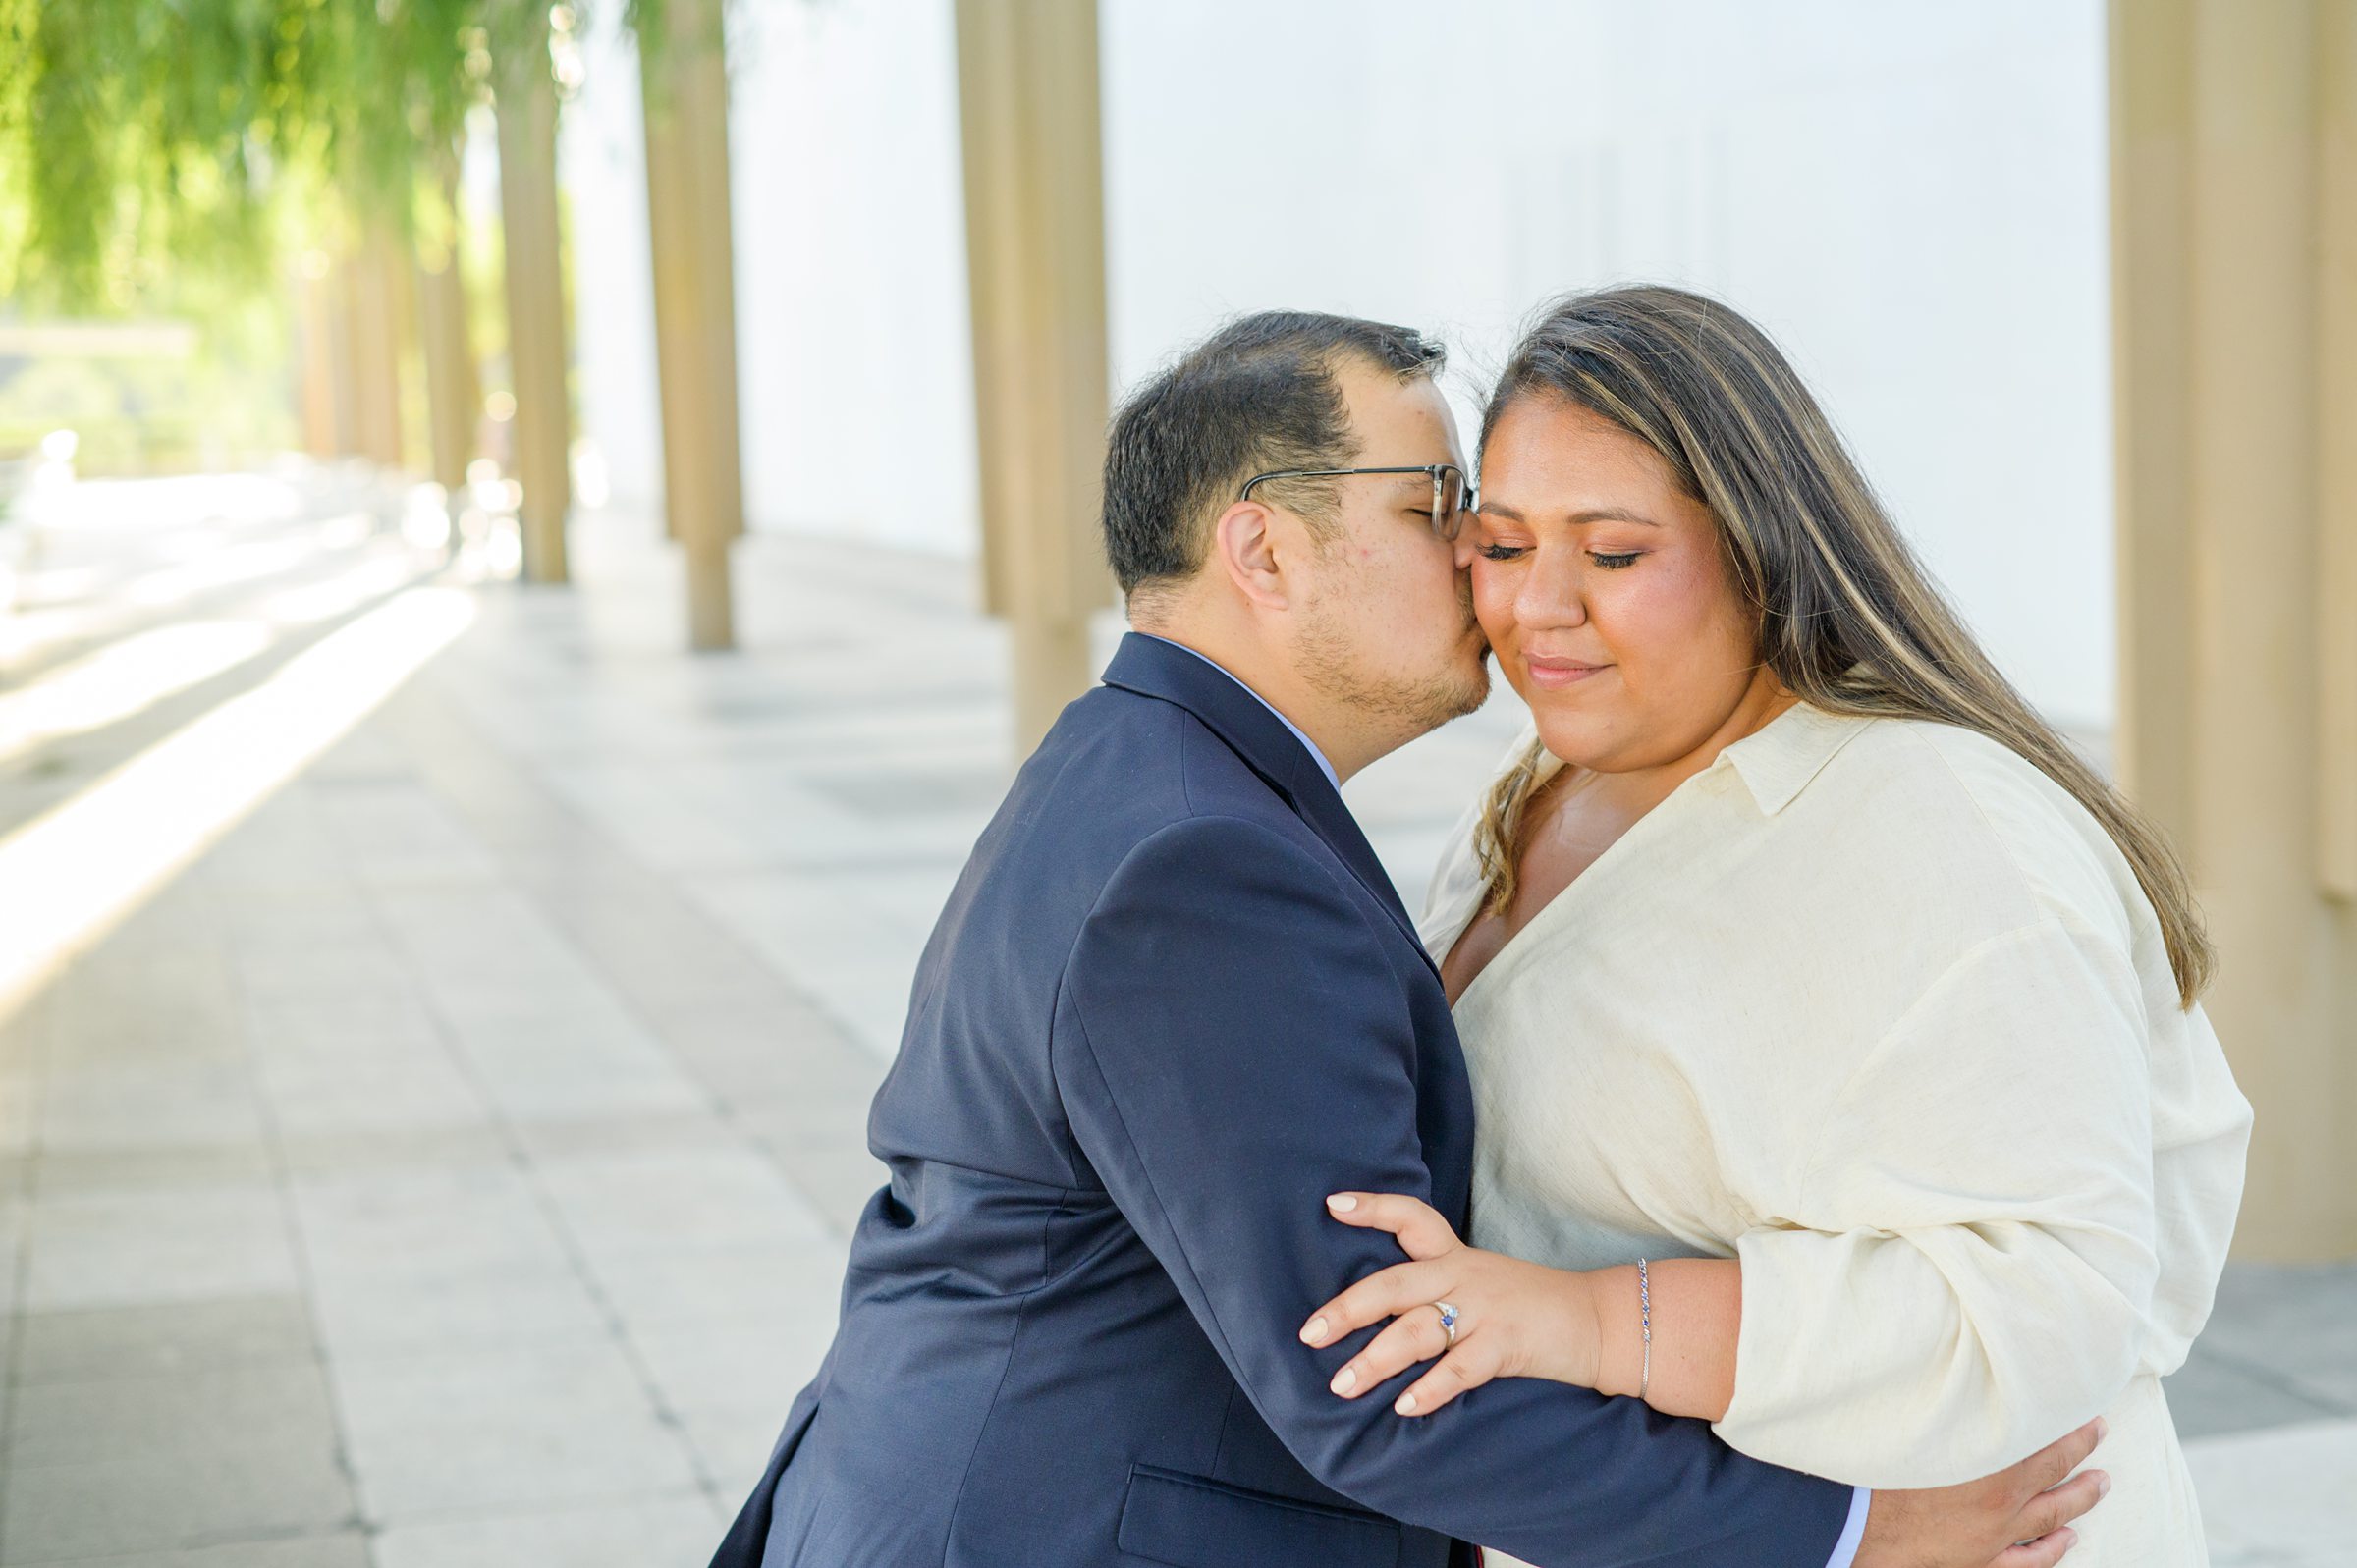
(143, 135)
(136, 131)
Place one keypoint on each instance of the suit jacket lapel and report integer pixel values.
(1229, 709)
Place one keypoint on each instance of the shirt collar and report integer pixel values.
(1307, 744)
(1778, 761)
(1775, 762)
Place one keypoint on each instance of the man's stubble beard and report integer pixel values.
(1407, 705)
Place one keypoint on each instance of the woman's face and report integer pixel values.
(1602, 590)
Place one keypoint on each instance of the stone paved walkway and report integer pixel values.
(450, 1166)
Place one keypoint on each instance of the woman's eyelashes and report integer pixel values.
(1609, 560)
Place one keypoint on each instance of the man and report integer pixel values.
(1172, 1003)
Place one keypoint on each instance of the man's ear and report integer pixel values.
(1244, 545)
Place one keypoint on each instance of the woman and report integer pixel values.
(1794, 954)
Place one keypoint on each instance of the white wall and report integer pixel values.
(1910, 198)
(601, 164)
(855, 386)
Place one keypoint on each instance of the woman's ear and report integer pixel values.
(1244, 545)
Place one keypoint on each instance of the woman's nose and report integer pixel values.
(1550, 592)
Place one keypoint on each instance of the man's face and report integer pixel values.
(1387, 625)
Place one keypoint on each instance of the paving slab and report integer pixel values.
(188, 1243)
(343, 1548)
(206, 1495)
(507, 1304)
(676, 1532)
(2216, 1394)
(94, 1421)
(441, 1432)
(2287, 1490)
(131, 1170)
(135, 1342)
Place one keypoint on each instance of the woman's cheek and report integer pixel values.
(1492, 600)
(1677, 632)
(1667, 608)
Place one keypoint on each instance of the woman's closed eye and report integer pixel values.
(1609, 560)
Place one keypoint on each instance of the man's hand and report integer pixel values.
(2017, 1518)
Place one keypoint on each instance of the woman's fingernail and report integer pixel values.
(1342, 1203)
(1314, 1332)
(2102, 1485)
(1343, 1381)
(1407, 1405)
(2103, 1428)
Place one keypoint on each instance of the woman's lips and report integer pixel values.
(1554, 674)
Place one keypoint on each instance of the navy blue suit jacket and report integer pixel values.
(1173, 1002)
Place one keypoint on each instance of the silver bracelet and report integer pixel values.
(1645, 1326)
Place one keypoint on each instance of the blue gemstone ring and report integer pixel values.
(1447, 1322)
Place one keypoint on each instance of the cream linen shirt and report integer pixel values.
(1877, 1009)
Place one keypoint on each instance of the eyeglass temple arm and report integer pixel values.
(1435, 469)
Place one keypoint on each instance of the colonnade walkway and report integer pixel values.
(439, 1019)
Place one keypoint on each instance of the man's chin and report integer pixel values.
(1477, 690)
(1477, 684)
(1462, 695)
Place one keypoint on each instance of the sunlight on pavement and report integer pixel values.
(217, 569)
(123, 678)
(98, 559)
(69, 875)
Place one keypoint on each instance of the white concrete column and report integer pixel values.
(686, 96)
(2233, 299)
(535, 297)
(1027, 82)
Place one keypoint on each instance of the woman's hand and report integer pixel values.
(1514, 1319)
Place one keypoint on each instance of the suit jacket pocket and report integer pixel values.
(1195, 1522)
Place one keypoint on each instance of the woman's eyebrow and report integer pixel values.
(1592, 515)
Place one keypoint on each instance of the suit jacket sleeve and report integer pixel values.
(1233, 1042)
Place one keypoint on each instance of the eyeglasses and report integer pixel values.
(1453, 494)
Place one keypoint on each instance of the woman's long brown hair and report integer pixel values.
(1849, 620)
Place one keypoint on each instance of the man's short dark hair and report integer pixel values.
(1261, 394)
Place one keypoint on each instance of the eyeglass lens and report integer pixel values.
(1449, 503)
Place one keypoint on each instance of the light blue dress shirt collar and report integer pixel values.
(1307, 744)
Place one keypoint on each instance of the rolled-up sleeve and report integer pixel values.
(1961, 1270)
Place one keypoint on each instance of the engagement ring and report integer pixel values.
(1448, 1321)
